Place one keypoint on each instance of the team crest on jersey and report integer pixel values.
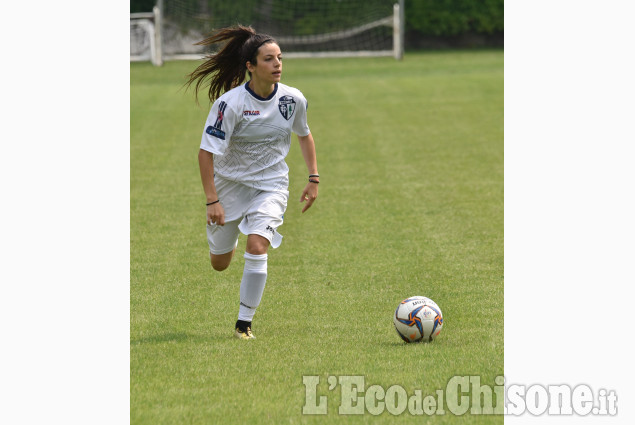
(286, 105)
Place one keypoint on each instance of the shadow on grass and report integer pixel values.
(178, 337)
(404, 344)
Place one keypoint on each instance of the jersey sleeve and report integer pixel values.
(218, 127)
(300, 124)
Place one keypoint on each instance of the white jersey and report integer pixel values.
(250, 136)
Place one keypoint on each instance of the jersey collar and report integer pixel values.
(251, 92)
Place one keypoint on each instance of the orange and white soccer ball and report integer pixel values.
(418, 319)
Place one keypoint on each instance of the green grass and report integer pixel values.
(411, 203)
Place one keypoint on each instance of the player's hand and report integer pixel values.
(309, 195)
(216, 214)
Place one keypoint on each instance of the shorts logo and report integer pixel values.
(215, 130)
(270, 229)
(286, 105)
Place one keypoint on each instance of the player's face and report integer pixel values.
(268, 68)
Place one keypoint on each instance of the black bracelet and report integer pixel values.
(212, 203)
(314, 181)
(314, 175)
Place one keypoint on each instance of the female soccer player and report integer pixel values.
(246, 138)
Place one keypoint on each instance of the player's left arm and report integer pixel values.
(310, 192)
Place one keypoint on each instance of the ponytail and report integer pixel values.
(226, 68)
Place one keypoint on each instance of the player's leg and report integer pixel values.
(260, 224)
(222, 261)
(253, 283)
(257, 245)
(223, 239)
(222, 242)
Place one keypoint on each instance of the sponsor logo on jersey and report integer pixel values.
(215, 130)
(251, 113)
(286, 105)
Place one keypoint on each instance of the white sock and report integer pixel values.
(252, 285)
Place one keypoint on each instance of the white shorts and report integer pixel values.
(247, 210)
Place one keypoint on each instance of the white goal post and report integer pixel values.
(145, 37)
(303, 28)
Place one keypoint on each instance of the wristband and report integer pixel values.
(314, 175)
(212, 203)
(314, 181)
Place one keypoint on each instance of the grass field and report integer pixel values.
(411, 203)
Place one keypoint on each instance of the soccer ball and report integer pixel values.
(418, 319)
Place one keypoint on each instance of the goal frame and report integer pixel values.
(396, 21)
(152, 23)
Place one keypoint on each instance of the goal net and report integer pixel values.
(142, 35)
(301, 27)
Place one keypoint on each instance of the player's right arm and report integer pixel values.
(215, 212)
(216, 135)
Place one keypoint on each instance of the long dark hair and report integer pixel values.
(226, 68)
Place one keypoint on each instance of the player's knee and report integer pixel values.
(219, 267)
(221, 262)
(257, 245)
